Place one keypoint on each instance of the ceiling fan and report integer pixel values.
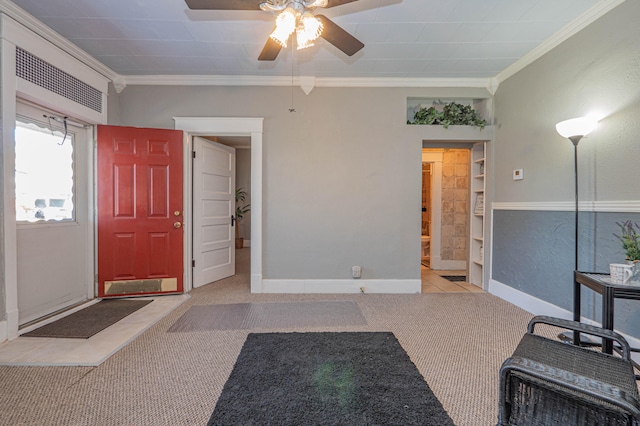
(294, 16)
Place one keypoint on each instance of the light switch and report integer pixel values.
(518, 174)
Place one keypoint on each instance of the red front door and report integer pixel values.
(140, 216)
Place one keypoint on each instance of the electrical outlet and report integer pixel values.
(356, 272)
(518, 174)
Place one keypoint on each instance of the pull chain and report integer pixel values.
(292, 109)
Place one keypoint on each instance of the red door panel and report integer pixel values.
(140, 200)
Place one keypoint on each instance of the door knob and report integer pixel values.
(177, 225)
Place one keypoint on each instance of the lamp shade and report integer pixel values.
(577, 127)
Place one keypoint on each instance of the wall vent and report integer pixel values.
(45, 75)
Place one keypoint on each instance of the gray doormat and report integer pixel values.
(455, 278)
(89, 321)
(326, 379)
(245, 316)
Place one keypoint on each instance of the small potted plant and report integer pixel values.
(241, 210)
(630, 238)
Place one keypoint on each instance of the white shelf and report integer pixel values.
(476, 221)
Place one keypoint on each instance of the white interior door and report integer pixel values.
(214, 182)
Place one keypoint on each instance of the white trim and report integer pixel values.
(257, 80)
(40, 29)
(60, 58)
(341, 286)
(226, 126)
(631, 206)
(598, 10)
(537, 306)
(525, 301)
(9, 272)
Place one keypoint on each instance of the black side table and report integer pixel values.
(601, 283)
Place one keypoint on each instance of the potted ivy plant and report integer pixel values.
(451, 114)
(241, 210)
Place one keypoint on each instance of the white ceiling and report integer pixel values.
(403, 38)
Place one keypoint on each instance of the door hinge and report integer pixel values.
(193, 154)
(193, 263)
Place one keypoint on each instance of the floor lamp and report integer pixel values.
(574, 130)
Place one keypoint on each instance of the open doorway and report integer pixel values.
(221, 205)
(445, 216)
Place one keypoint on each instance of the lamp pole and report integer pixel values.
(574, 130)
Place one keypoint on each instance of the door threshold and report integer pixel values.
(55, 316)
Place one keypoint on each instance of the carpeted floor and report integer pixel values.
(456, 341)
(357, 378)
(247, 316)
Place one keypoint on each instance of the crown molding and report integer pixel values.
(582, 21)
(36, 26)
(256, 80)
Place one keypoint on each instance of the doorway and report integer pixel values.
(221, 166)
(425, 244)
(229, 127)
(445, 211)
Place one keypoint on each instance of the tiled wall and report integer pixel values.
(455, 204)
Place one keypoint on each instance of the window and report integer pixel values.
(44, 174)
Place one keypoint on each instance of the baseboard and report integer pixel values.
(540, 307)
(527, 302)
(353, 286)
(246, 243)
(3, 331)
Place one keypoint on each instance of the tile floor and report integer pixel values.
(432, 282)
(40, 351)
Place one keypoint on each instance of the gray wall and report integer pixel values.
(3, 287)
(597, 70)
(341, 178)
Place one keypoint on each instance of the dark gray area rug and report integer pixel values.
(245, 316)
(89, 321)
(326, 379)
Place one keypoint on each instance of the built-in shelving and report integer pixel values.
(476, 221)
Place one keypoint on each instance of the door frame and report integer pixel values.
(224, 126)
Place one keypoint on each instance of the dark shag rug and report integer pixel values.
(326, 379)
(89, 321)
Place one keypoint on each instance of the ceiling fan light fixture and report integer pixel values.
(316, 3)
(308, 30)
(285, 26)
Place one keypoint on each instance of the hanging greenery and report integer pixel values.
(451, 114)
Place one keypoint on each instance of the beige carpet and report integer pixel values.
(457, 341)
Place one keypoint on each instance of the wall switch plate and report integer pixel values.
(518, 174)
(356, 272)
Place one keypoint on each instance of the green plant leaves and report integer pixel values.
(451, 114)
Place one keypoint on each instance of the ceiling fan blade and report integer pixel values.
(337, 36)
(224, 4)
(334, 3)
(270, 50)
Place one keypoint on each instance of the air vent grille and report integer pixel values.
(45, 75)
